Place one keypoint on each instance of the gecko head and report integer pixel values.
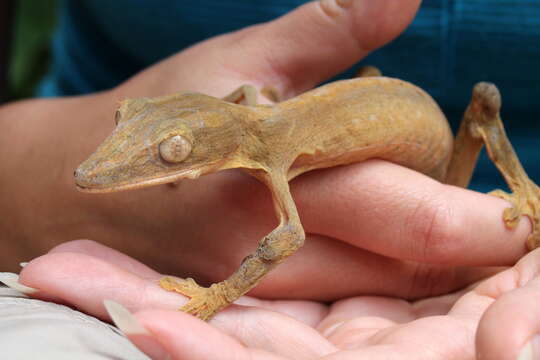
(163, 140)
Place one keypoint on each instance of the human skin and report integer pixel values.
(438, 241)
(493, 319)
(374, 228)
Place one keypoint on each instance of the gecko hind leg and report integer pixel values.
(482, 125)
(275, 247)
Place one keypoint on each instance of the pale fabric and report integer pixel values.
(34, 329)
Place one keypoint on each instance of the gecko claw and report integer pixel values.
(204, 302)
(524, 202)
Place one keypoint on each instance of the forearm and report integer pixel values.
(41, 143)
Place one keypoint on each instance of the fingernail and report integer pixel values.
(123, 319)
(135, 331)
(12, 280)
(531, 351)
(23, 264)
(332, 8)
(344, 3)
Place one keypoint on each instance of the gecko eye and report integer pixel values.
(117, 116)
(175, 149)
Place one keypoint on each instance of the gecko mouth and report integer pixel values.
(101, 187)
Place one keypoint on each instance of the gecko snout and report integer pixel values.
(85, 178)
(80, 179)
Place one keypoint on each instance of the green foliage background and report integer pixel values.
(33, 26)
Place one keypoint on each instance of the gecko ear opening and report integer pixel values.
(175, 149)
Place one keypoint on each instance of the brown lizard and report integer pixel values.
(186, 135)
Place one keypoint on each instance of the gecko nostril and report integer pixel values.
(77, 173)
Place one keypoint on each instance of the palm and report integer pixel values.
(356, 328)
(442, 327)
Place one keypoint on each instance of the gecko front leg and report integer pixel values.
(482, 124)
(272, 250)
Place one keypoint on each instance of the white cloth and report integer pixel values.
(34, 329)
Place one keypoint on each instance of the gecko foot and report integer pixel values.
(526, 202)
(204, 302)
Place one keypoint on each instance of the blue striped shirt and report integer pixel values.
(451, 45)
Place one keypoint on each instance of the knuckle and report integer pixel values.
(432, 226)
(431, 280)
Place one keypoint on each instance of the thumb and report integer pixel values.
(318, 40)
(290, 54)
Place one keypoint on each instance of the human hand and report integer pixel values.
(291, 54)
(503, 308)
(39, 204)
(372, 228)
(182, 213)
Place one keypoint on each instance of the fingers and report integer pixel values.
(392, 328)
(82, 259)
(175, 335)
(355, 271)
(399, 213)
(318, 40)
(365, 325)
(291, 54)
(304, 311)
(85, 282)
(107, 254)
(361, 319)
(252, 329)
(510, 327)
(275, 332)
(166, 334)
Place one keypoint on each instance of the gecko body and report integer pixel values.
(186, 135)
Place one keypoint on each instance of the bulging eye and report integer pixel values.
(117, 116)
(175, 149)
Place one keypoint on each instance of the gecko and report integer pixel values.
(186, 135)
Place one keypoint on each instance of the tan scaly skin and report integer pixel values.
(186, 135)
